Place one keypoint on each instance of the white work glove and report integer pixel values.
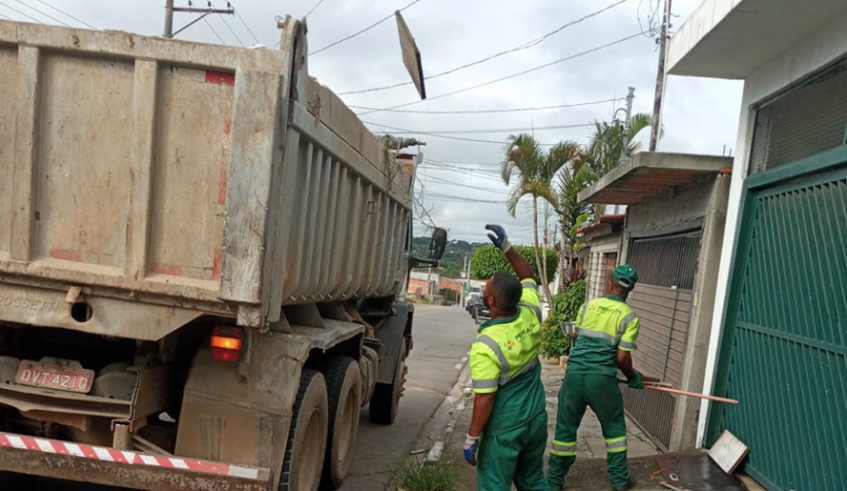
(498, 238)
(471, 446)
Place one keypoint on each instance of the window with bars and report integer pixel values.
(808, 119)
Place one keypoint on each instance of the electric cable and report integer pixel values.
(13, 9)
(387, 17)
(527, 45)
(488, 111)
(86, 24)
(508, 77)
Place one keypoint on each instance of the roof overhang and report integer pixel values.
(649, 174)
(732, 38)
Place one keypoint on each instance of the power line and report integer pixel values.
(246, 26)
(488, 111)
(473, 132)
(315, 8)
(231, 29)
(527, 45)
(13, 9)
(214, 31)
(66, 14)
(42, 13)
(389, 16)
(524, 72)
(4, 17)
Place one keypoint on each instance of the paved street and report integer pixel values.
(442, 337)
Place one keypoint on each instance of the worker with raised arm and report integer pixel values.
(507, 438)
(607, 332)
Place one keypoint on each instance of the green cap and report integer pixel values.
(625, 276)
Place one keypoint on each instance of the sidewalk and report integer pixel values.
(589, 471)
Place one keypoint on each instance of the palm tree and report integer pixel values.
(533, 171)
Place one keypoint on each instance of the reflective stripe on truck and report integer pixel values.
(124, 468)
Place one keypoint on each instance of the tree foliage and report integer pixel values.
(488, 260)
(565, 308)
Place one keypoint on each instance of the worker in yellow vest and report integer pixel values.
(607, 332)
(507, 438)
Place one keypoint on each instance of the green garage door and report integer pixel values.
(784, 345)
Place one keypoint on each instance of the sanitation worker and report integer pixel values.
(608, 329)
(508, 433)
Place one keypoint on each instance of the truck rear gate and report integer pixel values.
(108, 466)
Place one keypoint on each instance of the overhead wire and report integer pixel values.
(215, 31)
(4, 17)
(86, 24)
(231, 29)
(387, 17)
(13, 9)
(314, 8)
(42, 13)
(488, 111)
(508, 77)
(521, 47)
(237, 14)
(474, 132)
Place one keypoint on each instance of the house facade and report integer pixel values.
(778, 341)
(672, 234)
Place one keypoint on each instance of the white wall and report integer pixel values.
(826, 46)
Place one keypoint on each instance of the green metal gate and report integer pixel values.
(784, 345)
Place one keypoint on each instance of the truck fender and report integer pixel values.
(393, 332)
(243, 420)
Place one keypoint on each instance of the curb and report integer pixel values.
(444, 419)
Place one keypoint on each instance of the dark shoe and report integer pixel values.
(628, 485)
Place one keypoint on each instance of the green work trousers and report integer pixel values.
(514, 455)
(602, 394)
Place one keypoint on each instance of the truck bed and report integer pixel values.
(154, 181)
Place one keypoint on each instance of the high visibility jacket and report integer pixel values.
(605, 325)
(504, 359)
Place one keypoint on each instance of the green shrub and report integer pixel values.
(565, 308)
(488, 260)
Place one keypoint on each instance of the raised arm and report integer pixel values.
(519, 264)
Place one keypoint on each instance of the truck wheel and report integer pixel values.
(386, 399)
(304, 454)
(344, 386)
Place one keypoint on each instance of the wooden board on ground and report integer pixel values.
(728, 452)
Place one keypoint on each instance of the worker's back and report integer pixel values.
(605, 325)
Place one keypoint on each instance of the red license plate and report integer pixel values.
(57, 377)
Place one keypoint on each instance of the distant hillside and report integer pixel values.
(453, 256)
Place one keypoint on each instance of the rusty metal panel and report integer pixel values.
(9, 82)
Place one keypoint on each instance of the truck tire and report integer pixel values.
(304, 454)
(344, 388)
(386, 399)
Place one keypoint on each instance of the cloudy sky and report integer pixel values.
(459, 181)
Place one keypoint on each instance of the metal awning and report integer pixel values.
(732, 38)
(651, 173)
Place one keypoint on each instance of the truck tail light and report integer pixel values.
(226, 343)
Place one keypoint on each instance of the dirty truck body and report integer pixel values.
(201, 255)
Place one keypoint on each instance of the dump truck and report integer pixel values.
(203, 262)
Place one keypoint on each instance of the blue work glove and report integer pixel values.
(636, 382)
(471, 446)
(498, 238)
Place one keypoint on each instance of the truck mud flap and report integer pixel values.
(112, 467)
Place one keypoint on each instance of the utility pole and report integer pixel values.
(170, 9)
(625, 130)
(660, 78)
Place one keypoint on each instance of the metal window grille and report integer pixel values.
(809, 119)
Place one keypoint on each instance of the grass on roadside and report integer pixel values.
(420, 475)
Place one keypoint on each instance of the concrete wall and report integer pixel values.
(826, 46)
(596, 270)
(702, 203)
